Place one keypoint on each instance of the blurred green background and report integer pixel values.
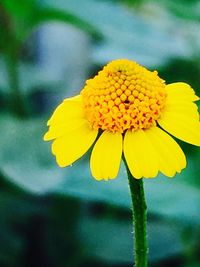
(52, 217)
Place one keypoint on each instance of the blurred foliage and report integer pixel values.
(20, 18)
(141, 44)
(63, 217)
(186, 9)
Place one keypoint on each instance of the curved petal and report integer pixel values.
(106, 156)
(171, 158)
(180, 97)
(68, 116)
(181, 116)
(140, 155)
(59, 130)
(68, 109)
(73, 145)
(183, 129)
(182, 91)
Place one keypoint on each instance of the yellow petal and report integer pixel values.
(106, 156)
(73, 145)
(181, 117)
(182, 126)
(189, 109)
(180, 90)
(179, 102)
(68, 109)
(68, 116)
(170, 156)
(181, 114)
(58, 130)
(140, 155)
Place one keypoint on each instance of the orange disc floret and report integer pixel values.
(124, 95)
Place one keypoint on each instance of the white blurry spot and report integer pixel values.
(64, 51)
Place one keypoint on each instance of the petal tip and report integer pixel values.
(60, 163)
(46, 137)
(103, 178)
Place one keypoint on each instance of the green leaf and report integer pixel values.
(167, 197)
(111, 240)
(16, 212)
(31, 78)
(127, 33)
(183, 9)
(26, 161)
(51, 14)
(25, 158)
(25, 15)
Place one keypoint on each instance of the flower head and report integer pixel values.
(132, 108)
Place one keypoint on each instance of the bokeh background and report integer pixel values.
(52, 217)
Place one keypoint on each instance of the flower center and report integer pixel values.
(124, 95)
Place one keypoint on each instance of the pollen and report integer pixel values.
(124, 95)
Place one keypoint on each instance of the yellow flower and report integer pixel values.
(128, 109)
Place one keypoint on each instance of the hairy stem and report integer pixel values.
(139, 220)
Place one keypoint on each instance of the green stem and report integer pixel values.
(17, 103)
(139, 220)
